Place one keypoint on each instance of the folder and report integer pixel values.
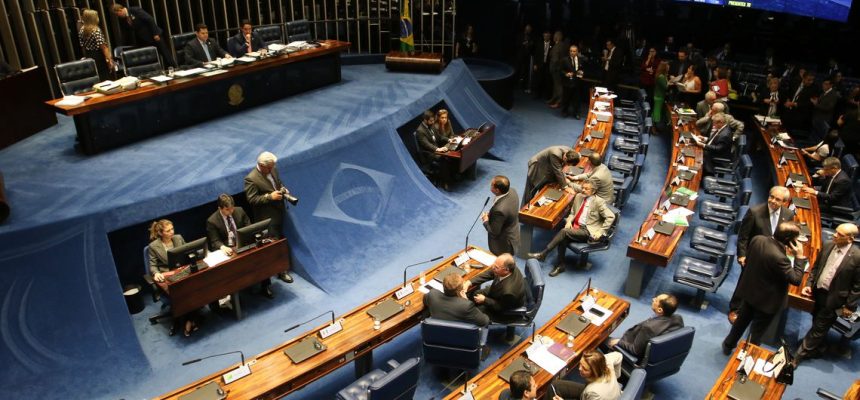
(304, 349)
(573, 324)
(520, 364)
(209, 391)
(748, 390)
(553, 194)
(801, 202)
(448, 271)
(664, 227)
(386, 309)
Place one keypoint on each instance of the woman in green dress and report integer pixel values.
(661, 83)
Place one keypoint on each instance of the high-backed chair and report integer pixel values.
(397, 384)
(705, 276)
(713, 242)
(525, 315)
(729, 185)
(452, 344)
(635, 386)
(664, 355)
(156, 295)
(77, 76)
(270, 34)
(583, 249)
(179, 41)
(486, 127)
(622, 192)
(117, 57)
(299, 29)
(142, 62)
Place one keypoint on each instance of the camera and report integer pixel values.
(289, 197)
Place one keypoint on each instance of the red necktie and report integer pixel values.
(578, 214)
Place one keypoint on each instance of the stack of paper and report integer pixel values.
(540, 355)
(482, 257)
(71, 101)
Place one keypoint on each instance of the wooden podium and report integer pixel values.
(24, 112)
(414, 62)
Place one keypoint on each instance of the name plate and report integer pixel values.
(404, 291)
(334, 328)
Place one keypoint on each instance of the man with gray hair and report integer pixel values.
(265, 192)
(506, 292)
(834, 185)
(718, 144)
(704, 123)
(600, 176)
(704, 106)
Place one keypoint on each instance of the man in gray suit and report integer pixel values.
(452, 304)
(704, 106)
(547, 166)
(834, 284)
(600, 176)
(502, 222)
(664, 320)
(705, 123)
(265, 191)
(588, 221)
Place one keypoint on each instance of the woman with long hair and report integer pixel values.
(661, 83)
(648, 70)
(162, 240)
(690, 87)
(601, 376)
(93, 43)
(443, 124)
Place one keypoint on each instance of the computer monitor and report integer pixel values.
(249, 235)
(189, 253)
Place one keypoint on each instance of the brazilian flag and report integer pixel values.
(407, 44)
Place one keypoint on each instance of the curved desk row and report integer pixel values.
(773, 390)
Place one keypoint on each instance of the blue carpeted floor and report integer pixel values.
(437, 229)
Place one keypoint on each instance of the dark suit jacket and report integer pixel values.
(757, 222)
(194, 54)
(801, 114)
(453, 308)
(502, 295)
(837, 193)
(568, 66)
(257, 188)
(636, 338)
(675, 66)
(142, 28)
(236, 44)
(764, 283)
(428, 141)
(539, 61)
(845, 285)
(216, 231)
(503, 224)
(826, 104)
(720, 146)
(547, 166)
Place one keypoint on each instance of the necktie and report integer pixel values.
(797, 93)
(576, 63)
(579, 213)
(774, 100)
(206, 51)
(232, 234)
(830, 184)
(545, 50)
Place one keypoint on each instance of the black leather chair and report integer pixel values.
(297, 30)
(729, 185)
(156, 295)
(143, 62)
(586, 248)
(179, 41)
(397, 384)
(452, 344)
(705, 276)
(77, 76)
(622, 192)
(635, 386)
(117, 58)
(270, 34)
(525, 315)
(664, 355)
(714, 242)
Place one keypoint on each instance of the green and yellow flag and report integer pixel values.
(407, 44)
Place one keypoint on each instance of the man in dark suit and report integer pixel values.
(502, 222)
(588, 221)
(834, 185)
(521, 386)
(140, 27)
(203, 50)
(824, 105)
(705, 124)
(664, 320)
(797, 110)
(452, 304)
(612, 63)
(761, 219)
(678, 67)
(506, 292)
(266, 193)
(431, 145)
(763, 289)
(525, 52)
(718, 144)
(223, 225)
(246, 41)
(834, 284)
(542, 83)
(571, 70)
(547, 166)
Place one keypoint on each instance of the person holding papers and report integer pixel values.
(824, 148)
(588, 221)
(506, 292)
(203, 50)
(246, 41)
(502, 222)
(163, 239)
(718, 144)
(601, 376)
(664, 320)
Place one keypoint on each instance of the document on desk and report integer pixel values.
(763, 367)
(597, 314)
(161, 78)
(189, 72)
(435, 285)
(482, 257)
(73, 100)
(213, 72)
(215, 257)
(539, 354)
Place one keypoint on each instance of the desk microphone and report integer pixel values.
(487, 201)
(412, 265)
(232, 375)
(302, 323)
(456, 378)
(216, 355)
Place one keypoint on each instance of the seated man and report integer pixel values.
(664, 320)
(834, 185)
(223, 225)
(506, 292)
(600, 176)
(246, 41)
(203, 50)
(718, 144)
(452, 304)
(522, 387)
(547, 166)
(588, 221)
(704, 123)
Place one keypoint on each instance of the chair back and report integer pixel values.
(398, 384)
(744, 193)
(838, 148)
(77, 76)
(535, 289)
(179, 41)
(146, 260)
(299, 29)
(849, 165)
(638, 163)
(451, 344)
(745, 166)
(635, 386)
(142, 62)
(270, 34)
(623, 192)
(665, 354)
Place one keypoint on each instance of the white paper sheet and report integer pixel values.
(161, 78)
(482, 257)
(73, 100)
(189, 72)
(215, 257)
(540, 355)
(598, 319)
(435, 285)
(764, 368)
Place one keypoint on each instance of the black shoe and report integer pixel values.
(557, 270)
(286, 277)
(537, 256)
(726, 349)
(267, 291)
(577, 116)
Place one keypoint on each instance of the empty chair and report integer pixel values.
(721, 214)
(704, 276)
(117, 57)
(77, 76)
(452, 344)
(723, 166)
(270, 34)
(142, 62)
(635, 386)
(298, 30)
(179, 42)
(583, 249)
(525, 315)
(729, 185)
(838, 149)
(849, 165)
(622, 192)
(664, 355)
(631, 145)
(713, 242)
(397, 384)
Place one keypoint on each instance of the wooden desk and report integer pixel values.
(229, 277)
(106, 122)
(487, 384)
(274, 375)
(772, 389)
(22, 112)
(661, 248)
(810, 217)
(549, 216)
(469, 154)
(414, 62)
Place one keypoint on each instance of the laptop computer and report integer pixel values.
(575, 171)
(801, 202)
(664, 227)
(748, 390)
(573, 324)
(795, 177)
(586, 152)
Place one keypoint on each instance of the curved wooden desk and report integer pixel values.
(773, 390)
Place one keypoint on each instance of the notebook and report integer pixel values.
(748, 390)
(573, 324)
(664, 227)
(553, 194)
(385, 310)
(520, 364)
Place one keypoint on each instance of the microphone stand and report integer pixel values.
(233, 375)
(487, 201)
(302, 323)
(407, 289)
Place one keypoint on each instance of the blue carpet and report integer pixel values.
(362, 200)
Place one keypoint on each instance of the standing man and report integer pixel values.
(761, 219)
(556, 57)
(246, 41)
(203, 50)
(600, 177)
(525, 52)
(612, 65)
(834, 286)
(542, 83)
(506, 292)
(824, 105)
(502, 222)
(138, 24)
(266, 193)
(547, 166)
(763, 289)
(704, 123)
(588, 221)
(664, 320)
(835, 185)
(797, 111)
(571, 70)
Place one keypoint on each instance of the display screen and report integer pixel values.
(835, 10)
